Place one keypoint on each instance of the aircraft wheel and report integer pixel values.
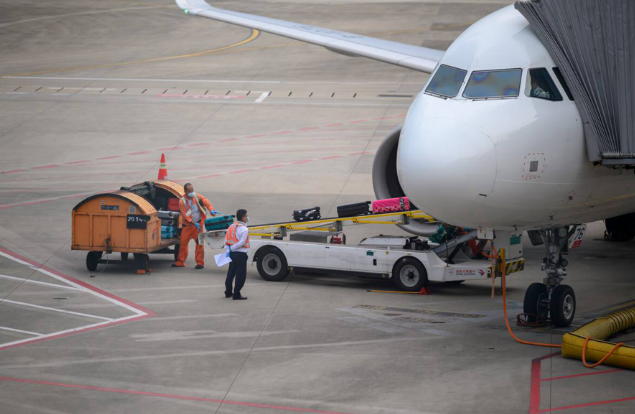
(272, 265)
(92, 260)
(535, 304)
(410, 275)
(563, 306)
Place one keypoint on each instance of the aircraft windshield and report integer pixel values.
(541, 86)
(493, 84)
(447, 81)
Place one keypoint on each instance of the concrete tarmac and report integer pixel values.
(93, 92)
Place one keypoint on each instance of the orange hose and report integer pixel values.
(586, 341)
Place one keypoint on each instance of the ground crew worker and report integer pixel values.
(237, 239)
(192, 207)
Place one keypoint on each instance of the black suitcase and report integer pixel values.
(168, 215)
(160, 203)
(355, 209)
(307, 214)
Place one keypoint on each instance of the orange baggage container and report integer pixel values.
(123, 222)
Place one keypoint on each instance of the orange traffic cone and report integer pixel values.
(163, 169)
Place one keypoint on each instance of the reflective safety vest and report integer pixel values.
(231, 237)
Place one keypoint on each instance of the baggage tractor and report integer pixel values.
(391, 205)
(355, 209)
(173, 204)
(168, 232)
(170, 215)
(307, 214)
(219, 223)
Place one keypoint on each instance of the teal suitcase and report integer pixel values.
(219, 223)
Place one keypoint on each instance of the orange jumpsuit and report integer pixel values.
(189, 230)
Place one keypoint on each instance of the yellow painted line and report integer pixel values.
(253, 36)
(222, 50)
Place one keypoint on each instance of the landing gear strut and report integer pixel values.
(551, 298)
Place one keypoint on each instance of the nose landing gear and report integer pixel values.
(551, 298)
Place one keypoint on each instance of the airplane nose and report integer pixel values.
(447, 169)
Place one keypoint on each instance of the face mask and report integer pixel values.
(191, 195)
(247, 219)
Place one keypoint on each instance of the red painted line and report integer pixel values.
(139, 153)
(267, 167)
(148, 312)
(45, 166)
(12, 171)
(331, 157)
(333, 125)
(570, 407)
(228, 140)
(256, 136)
(281, 132)
(607, 371)
(200, 144)
(172, 396)
(76, 162)
(109, 158)
(534, 399)
(358, 122)
(240, 171)
(301, 161)
(308, 128)
(207, 176)
(360, 153)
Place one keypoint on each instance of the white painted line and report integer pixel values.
(136, 311)
(56, 310)
(209, 80)
(263, 96)
(62, 333)
(36, 282)
(4, 328)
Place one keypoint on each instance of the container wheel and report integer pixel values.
(562, 306)
(92, 260)
(536, 304)
(272, 265)
(410, 275)
(124, 256)
(454, 282)
(142, 261)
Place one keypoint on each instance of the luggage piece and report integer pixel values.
(160, 203)
(219, 223)
(173, 204)
(169, 222)
(168, 232)
(170, 215)
(307, 214)
(146, 190)
(356, 209)
(391, 205)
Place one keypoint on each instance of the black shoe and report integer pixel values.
(240, 297)
(228, 295)
(199, 267)
(175, 265)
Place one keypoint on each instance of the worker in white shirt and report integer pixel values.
(237, 240)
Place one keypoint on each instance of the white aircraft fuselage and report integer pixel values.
(472, 162)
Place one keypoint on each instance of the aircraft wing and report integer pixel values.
(408, 56)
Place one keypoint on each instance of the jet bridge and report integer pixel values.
(590, 41)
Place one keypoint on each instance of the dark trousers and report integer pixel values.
(238, 270)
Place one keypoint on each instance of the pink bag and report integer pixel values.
(391, 205)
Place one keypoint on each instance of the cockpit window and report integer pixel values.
(563, 83)
(485, 84)
(447, 81)
(541, 86)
